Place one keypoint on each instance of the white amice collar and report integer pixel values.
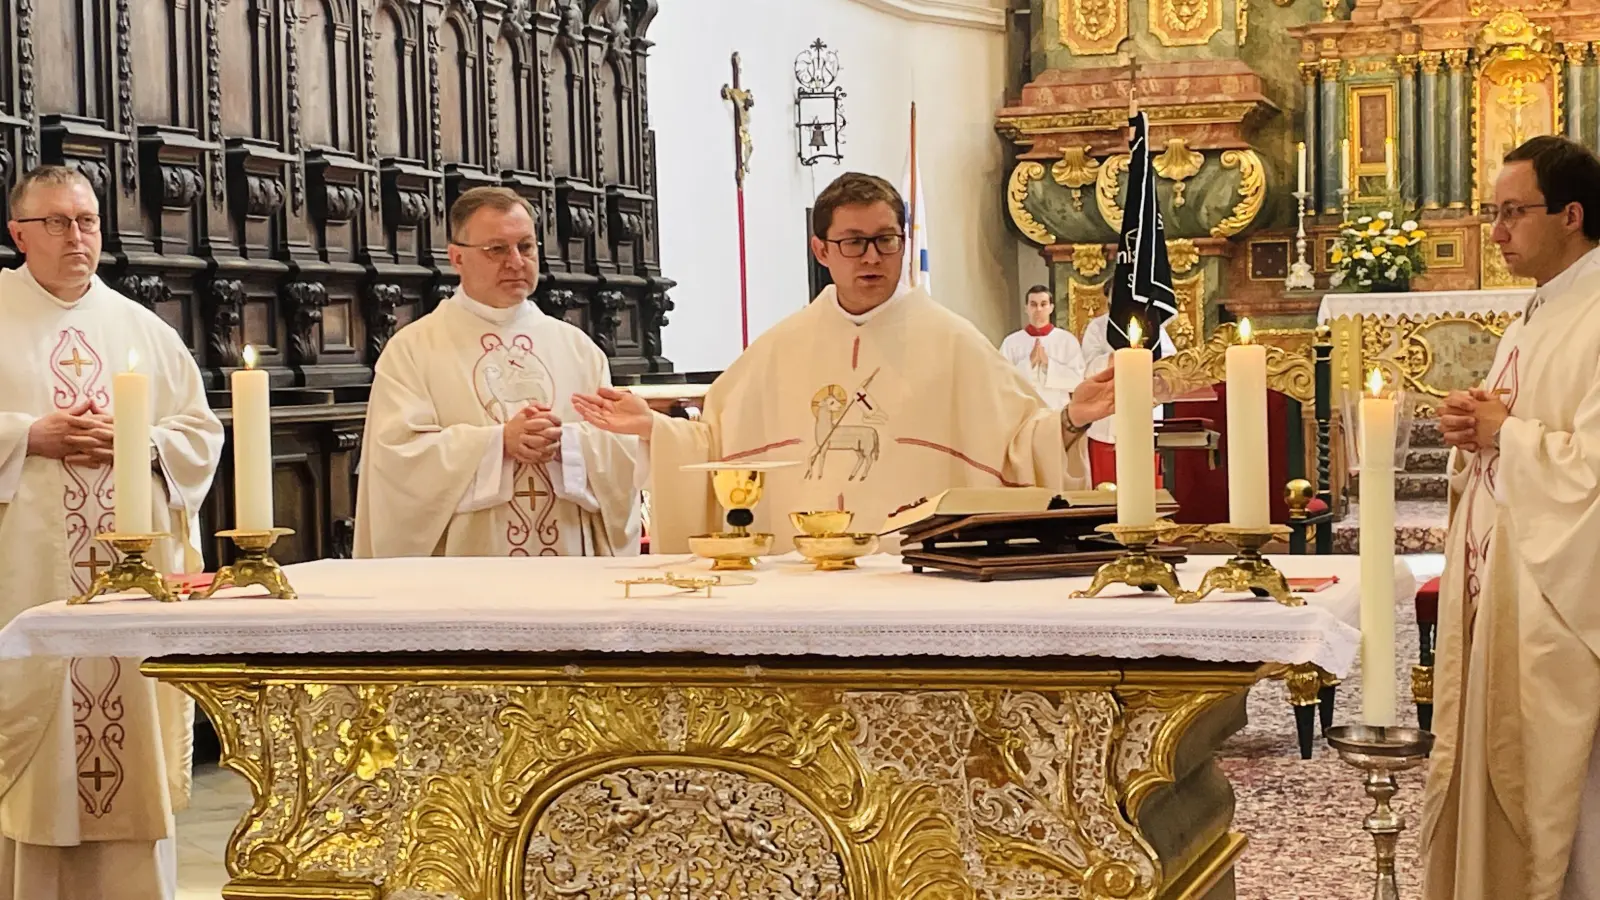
(494, 315)
(27, 276)
(863, 318)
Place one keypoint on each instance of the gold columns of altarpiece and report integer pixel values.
(505, 777)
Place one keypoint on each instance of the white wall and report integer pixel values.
(954, 72)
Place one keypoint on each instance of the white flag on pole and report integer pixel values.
(917, 267)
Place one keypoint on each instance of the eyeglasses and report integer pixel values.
(1512, 212)
(88, 223)
(499, 252)
(885, 244)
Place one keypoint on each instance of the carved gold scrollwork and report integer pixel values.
(1084, 302)
(1089, 259)
(1206, 364)
(1405, 345)
(1092, 27)
(1252, 192)
(1156, 719)
(1075, 170)
(1023, 175)
(1105, 189)
(1185, 23)
(1182, 254)
(1178, 164)
(1241, 20)
(1191, 296)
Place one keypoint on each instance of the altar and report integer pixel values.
(491, 728)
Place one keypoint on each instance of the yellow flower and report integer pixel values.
(1380, 250)
(1376, 229)
(1418, 235)
(1338, 255)
(1400, 241)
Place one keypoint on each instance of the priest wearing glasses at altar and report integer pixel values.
(1512, 810)
(875, 393)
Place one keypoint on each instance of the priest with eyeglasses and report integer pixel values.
(876, 394)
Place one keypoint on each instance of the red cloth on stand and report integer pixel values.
(1103, 463)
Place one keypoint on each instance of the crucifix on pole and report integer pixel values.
(742, 100)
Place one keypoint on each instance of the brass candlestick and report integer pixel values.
(257, 567)
(1381, 752)
(131, 573)
(1137, 566)
(1249, 570)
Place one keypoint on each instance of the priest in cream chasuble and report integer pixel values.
(472, 447)
(879, 395)
(1512, 810)
(94, 757)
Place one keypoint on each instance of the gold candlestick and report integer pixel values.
(1138, 567)
(131, 573)
(1249, 570)
(257, 567)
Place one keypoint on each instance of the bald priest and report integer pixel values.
(877, 394)
(471, 447)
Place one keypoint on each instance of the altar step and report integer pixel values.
(1419, 528)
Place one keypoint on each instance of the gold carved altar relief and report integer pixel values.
(1185, 23)
(1092, 27)
(1023, 175)
(1205, 364)
(1516, 94)
(1075, 171)
(1105, 189)
(1089, 260)
(1252, 192)
(1182, 254)
(1188, 324)
(1435, 354)
(1084, 303)
(1178, 164)
(520, 782)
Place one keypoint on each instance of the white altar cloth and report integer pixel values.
(575, 605)
(1423, 303)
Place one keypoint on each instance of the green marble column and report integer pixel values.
(1332, 108)
(1314, 138)
(1430, 145)
(1459, 151)
(1408, 131)
(1592, 69)
(1577, 99)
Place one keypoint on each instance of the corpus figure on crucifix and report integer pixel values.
(880, 394)
(742, 100)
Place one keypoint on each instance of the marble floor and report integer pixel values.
(1274, 789)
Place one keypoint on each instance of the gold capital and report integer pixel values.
(1430, 60)
(1331, 68)
(1577, 53)
(1407, 63)
(1308, 72)
(1455, 59)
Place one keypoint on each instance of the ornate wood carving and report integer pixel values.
(227, 318)
(291, 71)
(181, 186)
(146, 290)
(381, 302)
(306, 300)
(130, 169)
(25, 84)
(214, 99)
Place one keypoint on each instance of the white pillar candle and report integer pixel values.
(130, 410)
(1247, 432)
(252, 447)
(1344, 164)
(1388, 163)
(1377, 555)
(1135, 432)
(1302, 153)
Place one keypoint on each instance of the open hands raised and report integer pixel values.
(618, 412)
(1094, 399)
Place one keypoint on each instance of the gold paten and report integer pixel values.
(257, 567)
(486, 781)
(1249, 570)
(130, 573)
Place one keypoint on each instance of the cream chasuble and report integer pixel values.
(434, 476)
(911, 401)
(1517, 675)
(94, 757)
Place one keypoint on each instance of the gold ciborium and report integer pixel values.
(130, 573)
(1138, 567)
(1249, 570)
(825, 539)
(255, 566)
(739, 487)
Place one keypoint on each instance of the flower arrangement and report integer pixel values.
(1373, 253)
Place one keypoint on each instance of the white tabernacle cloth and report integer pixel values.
(576, 605)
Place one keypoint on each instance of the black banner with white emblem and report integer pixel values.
(1141, 287)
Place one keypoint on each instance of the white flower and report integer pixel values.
(1408, 225)
(1364, 220)
(1391, 232)
(1363, 254)
(1336, 279)
(1392, 274)
(1386, 215)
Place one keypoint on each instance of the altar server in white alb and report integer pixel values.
(876, 393)
(1512, 810)
(94, 757)
(1046, 355)
(472, 447)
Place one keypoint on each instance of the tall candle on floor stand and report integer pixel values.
(1344, 164)
(1302, 154)
(1247, 432)
(1377, 555)
(130, 410)
(1134, 427)
(252, 447)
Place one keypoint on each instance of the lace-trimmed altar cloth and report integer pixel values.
(1420, 304)
(575, 605)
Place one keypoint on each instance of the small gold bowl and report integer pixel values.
(833, 552)
(729, 551)
(821, 522)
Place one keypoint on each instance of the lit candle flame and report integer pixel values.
(249, 356)
(1246, 334)
(1135, 334)
(133, 359)
(1375, 382)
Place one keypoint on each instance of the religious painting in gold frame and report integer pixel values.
(1371, 123)
(1516, 95)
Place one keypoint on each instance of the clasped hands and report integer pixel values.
(1471, 420)
(533, 436)
(80, 435)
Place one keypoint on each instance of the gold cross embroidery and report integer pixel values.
(76, 362)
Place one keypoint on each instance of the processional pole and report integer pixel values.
(742, 102)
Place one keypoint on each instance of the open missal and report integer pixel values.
(986, 533)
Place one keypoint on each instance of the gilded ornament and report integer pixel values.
(1241, 20)
(1075, 170)
(1023, 175)
(1185, 23)
(1191, 296)
(1178, 164)
(1456, 59)
(1155, 721)
(1480, 8)
(1309, 72)
(1252, 192)
(1404, 345)
(1084, 302)
(1182, 254)
(1430, 60)
(1205, 364)
(1331, 69)
(1092, 27)
(1089, 259)
(1577, 54)
(1422, 684)
(1407, 63)
(1105, 189)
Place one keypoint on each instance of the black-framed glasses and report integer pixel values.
(499, 252)
(1512, 212)
(854, 247)
(88, 223)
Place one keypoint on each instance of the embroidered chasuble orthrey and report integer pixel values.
(1514, 783)
(877, 411)
(435, 478)
(94, 757)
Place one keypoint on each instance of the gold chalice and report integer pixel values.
(738, 487)
(820, 522)
(825, 539)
